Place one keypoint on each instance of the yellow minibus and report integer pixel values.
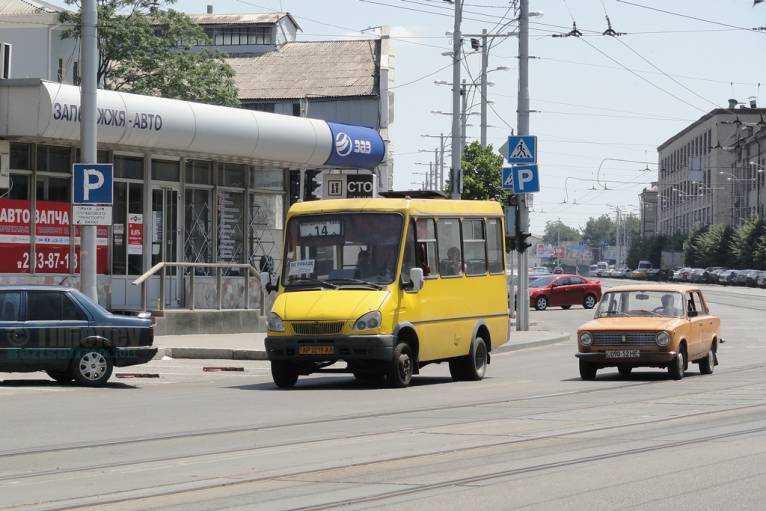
(389, 285)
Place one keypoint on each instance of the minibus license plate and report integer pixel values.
(316, 350)
(623, 354)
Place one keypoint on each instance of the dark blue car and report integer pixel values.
(63, 332)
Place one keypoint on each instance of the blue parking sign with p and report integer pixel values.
(521, 179)
(92, 183)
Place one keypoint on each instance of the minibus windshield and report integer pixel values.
(342, 250)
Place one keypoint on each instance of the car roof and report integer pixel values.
(35, 287)
(675, 288)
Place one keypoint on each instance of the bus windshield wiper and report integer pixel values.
(343, 281)
(310, 282)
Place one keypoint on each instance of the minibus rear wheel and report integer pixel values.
(473, 366)
(284, 374)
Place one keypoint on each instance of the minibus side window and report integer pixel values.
(426, 247)
(450, 255)
(494, 246)
(474, 247)
(409, 253)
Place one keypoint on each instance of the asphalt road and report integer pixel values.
(530, 436)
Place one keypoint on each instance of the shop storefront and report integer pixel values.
(192, 182)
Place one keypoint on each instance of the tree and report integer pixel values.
(559, 231)
(598, 230)
(692, 246)
(744, 241)
(482, 174)
(146, 49)
(713, 246)
(759, 255)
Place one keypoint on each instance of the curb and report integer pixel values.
(554, 338)
(211, 354)
(232, 354)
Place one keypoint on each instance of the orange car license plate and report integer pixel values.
(316, 350)
(623, 354)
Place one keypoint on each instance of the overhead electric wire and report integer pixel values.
(490, 105)
(637, 75)
(617, 37)
(621, 68)
(758, 30)
(412, 9)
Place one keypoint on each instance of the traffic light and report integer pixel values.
(311, 185)
(521, 242)
(475, 44)
(295, 186)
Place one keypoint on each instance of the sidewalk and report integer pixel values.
(251, 346)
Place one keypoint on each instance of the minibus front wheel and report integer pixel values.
(284, 374)
(401, 367)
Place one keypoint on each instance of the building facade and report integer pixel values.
(346, 82)
(705, 175)
(648, 204)
(193, 183)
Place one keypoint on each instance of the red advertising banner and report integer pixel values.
(52, 232)
(135, 234)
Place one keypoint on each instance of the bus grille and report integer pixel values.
(317, 327)
(625, 339)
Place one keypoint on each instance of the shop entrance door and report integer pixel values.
(166, 239)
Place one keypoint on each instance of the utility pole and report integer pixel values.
(463, 121)
(457, 45)
(441, 162)
(88, 140)
(522, 125)
(430, 175)
(484, 63)
(485, 37)
(437, 183)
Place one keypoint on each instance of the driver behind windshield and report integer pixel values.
(668, 308)
(363, 265)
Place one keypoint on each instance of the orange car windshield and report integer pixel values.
(641, 303)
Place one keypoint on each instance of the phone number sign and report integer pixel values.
(52, 239)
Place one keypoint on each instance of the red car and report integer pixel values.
(564, 291)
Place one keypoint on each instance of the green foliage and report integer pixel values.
(647, 250)
(692, 246)
(145, 49)
(713, 247)
(482, 174)
(759, 254)
(599, 229)
(744, 242)
(559, 231)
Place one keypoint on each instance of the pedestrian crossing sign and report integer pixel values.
(507, 178)
(522, 149)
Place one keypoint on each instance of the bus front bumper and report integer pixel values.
(353, 347)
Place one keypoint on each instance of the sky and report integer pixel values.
(589, 109)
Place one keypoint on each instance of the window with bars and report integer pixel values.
(240, 36)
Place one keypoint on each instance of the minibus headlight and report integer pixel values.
(586, 339)
(663, 339)
(369, 321)
(275, 323)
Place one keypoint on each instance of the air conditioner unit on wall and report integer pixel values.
(5, 60)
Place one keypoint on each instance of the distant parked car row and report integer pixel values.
(644, 271)
(723, 276)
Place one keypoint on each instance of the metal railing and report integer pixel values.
(162, 267)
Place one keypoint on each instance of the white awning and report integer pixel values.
(48, 110)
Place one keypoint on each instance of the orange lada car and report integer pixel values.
(647, 325)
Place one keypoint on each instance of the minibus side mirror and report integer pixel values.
(266, 284)
(417, 279)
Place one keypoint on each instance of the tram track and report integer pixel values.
(240, 480)
(50, 449)
(253, 449)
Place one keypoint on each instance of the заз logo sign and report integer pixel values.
(343, 145)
